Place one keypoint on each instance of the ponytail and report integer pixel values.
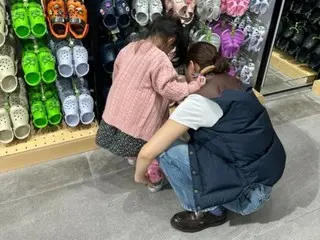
(221, 64)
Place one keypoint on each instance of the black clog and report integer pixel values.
(108, 53)
(108, 14)
(122, 10)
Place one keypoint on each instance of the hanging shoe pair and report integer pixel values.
(38, 66)
(3, 22)
(209, 10)
(45, 105)
(259, 6)
(235, 8)
(65, 17)
(28, 20)
(256, 39)
(115, 13)
(183, 9)
(71, 60)
(8, 65)
(76, 100)
(144, 11)
(14, 116)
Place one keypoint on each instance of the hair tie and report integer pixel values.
(207, 70)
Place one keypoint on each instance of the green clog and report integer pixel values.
(30, 68)
(47, 65)
(20, 21)
(37, 20)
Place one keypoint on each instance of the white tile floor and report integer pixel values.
(92, 196)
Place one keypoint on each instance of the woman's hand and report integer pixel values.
(142, 179)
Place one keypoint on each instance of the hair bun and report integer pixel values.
(221, 64)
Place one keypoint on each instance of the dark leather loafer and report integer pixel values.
(194, 222)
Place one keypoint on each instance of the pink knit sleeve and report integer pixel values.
(165, 82)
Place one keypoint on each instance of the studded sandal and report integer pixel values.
(57, 18)
(78, 18)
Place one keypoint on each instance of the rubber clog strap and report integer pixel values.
(78, 19)
(57, 18)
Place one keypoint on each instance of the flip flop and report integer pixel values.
(6, 133)
(38, 110)
(78, 18)
(3, 27)
(57, 18)
(69, 101)
(64, 59)
(19, 111)
(155, 9)
(80, 58)
(20, 21)
(47, 65)
(37, 20)
(108, 56)
(86, 102)
(140, 12)
(8, 80)
(123, 10)
(108, 14)
(31, 68)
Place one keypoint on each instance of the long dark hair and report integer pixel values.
(167, 27)
(205, 54)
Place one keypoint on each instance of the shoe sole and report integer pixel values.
(214, 224)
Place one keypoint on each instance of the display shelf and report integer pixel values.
(288, 65)
(47, 145)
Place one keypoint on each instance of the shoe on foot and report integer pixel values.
(194, 222)
(156, 187)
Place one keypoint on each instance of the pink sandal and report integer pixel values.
(232, 7)
(223, 7)
(243, 6)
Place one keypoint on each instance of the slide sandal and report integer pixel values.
(38, 110)
(78, 18)
(20, 21)
(6, 133)
(64, 59)
(57, 18)
(86, 102)
(140, 12)
(47, 65)
(19, 111)
(108, 56)
(80, 58)
(30, 68)
(108, 14)
(123, 10)
(37, 20)
(155, 9)
(69, 101)
(3, 27)
(8, 80)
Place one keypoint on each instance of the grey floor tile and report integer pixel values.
(303, 228)
(290, 108)
(103, 162)
(73, 213)
(43, 177)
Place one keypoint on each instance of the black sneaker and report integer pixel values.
(194, 222)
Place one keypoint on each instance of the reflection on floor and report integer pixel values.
(92, 196)
(277, 81)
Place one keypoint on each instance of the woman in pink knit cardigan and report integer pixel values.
(144, 83)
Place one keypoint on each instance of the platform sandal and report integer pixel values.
(20, 21)
(31, 68)
(3, 26)
(57, 18)
(52, 104)
(38, 109)
(37, 20)
(155, 9)
(86, 102)
(64, 58)
(123, 11)
(47, 65)
(80, 59)
(140, 12)
(19, 111)
(69, 101)
(108, 14)
(78, 18)
(6, 133)
(8, 80)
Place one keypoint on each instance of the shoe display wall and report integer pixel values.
(299, 32)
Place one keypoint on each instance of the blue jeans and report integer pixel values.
(175, 164)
